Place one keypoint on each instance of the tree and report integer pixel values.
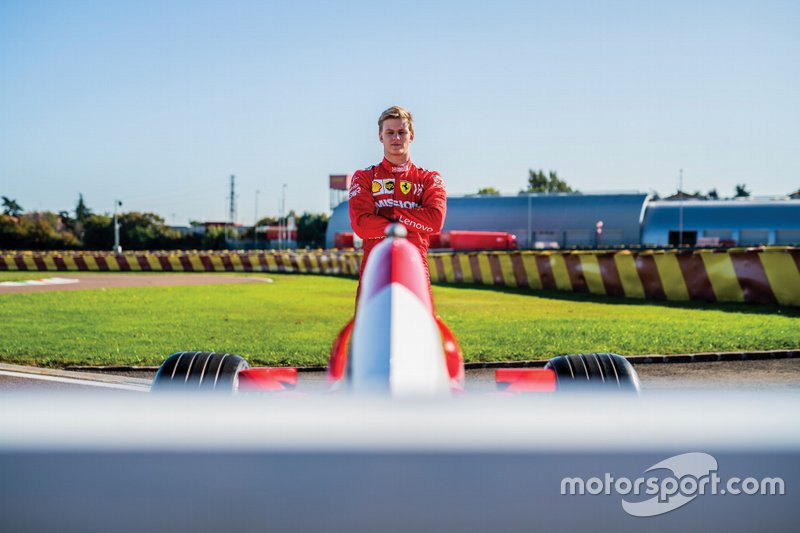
(489, 191)
(98, 233)
(216, 237)
(81, 211)
(11, 207)
(311, 229)
(66, 222)
(12, 234)
(712, 194)
(143, 231)
(267, 221)
(138, 231)
(741, 191)
(35, 231)
(539, 182)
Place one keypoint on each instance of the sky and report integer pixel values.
(158, 103)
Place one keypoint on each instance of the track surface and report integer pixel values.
(770, 375)
(115, 281)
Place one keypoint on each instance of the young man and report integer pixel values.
(396, 190)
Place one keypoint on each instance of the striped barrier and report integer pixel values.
(753, 275)
(313, 262)
(768, 275)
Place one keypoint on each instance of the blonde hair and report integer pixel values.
(397, 112)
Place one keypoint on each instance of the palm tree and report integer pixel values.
(11, 207)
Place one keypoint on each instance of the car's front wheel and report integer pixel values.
(608, 371)
(204, 371)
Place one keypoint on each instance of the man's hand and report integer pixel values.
(387, 213)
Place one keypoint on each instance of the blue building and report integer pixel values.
(628, 219)
(742, 222)
(538, 220)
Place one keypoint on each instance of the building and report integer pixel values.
(626, 219)
(740, 222)
(538, 220)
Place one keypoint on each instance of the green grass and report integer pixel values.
(293, 321)
(511, 324)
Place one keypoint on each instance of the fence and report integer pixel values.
(768, 275)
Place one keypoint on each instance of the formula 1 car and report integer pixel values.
(394, 345)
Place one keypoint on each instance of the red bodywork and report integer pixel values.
(392, 266)
(267, 379)
(526, 379)
(398, 262)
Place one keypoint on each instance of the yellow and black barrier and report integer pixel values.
(756, 275)
(769, 275)
(312, 262)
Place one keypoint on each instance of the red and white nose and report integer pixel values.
(395, 346)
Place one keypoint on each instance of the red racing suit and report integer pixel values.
(407, 194)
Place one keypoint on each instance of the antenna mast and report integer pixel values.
(232, 214)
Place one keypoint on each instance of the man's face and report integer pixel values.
(396, 137)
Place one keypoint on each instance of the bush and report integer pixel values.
(36, 231)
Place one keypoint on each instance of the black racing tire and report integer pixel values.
(203, 371)
(584, 371)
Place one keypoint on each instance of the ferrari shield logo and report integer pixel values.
(405, 186)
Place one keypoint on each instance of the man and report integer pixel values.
(396, 190)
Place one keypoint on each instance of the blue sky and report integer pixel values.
(158, 103)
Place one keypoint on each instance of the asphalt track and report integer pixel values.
(25, 378)
(766, 375)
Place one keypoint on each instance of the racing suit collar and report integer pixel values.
(391, 167)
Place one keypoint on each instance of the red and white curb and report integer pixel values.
(38, 282)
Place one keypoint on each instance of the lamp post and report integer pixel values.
(255, 223)
(282, 221)
(117, 247)
(680, 210)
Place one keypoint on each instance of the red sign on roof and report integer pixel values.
(340, 182)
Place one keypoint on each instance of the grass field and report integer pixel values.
(293, 321)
